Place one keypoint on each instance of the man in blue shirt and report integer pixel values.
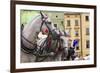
(75, 43)
(71, 50)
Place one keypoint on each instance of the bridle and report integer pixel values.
(30, 49)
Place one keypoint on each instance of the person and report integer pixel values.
(72, 49)
(71, 53)
(43, 34)
(75, 43)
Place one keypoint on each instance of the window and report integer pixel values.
(76, 15)
(69, 32)
(76, 33)
(56, 16)
(87, 18)
(77, 47)
(68, 22)
(87, 31)
(76, 22)
(68, 16)
(55, 25)
(61, 22)
(87, 43)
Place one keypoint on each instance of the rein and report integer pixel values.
(28, 40)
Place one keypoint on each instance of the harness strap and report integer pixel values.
(28, 40)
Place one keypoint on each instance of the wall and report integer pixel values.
(5, 37)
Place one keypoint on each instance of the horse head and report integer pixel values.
(46, 26)
(40, 22)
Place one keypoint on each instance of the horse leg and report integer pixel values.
(60, 57)
(57, 57)
(65, 54)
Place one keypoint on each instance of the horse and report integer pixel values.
(57, 49)
(34, 49)
(29, 35)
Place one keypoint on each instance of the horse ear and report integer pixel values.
(22, 27)
(42, 14)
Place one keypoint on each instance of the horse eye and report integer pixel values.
(49, 22)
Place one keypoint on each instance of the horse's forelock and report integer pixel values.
(45, 18)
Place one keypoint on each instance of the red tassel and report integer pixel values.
(46, 30)
(49, 42)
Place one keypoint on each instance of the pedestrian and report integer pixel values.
(75, 43)
(71, 53)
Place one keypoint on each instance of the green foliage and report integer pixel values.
(27, 15)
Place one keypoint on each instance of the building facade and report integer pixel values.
(77, 24)
(85, 34)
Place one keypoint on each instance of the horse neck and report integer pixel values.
(65, 41)
(30, 30)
